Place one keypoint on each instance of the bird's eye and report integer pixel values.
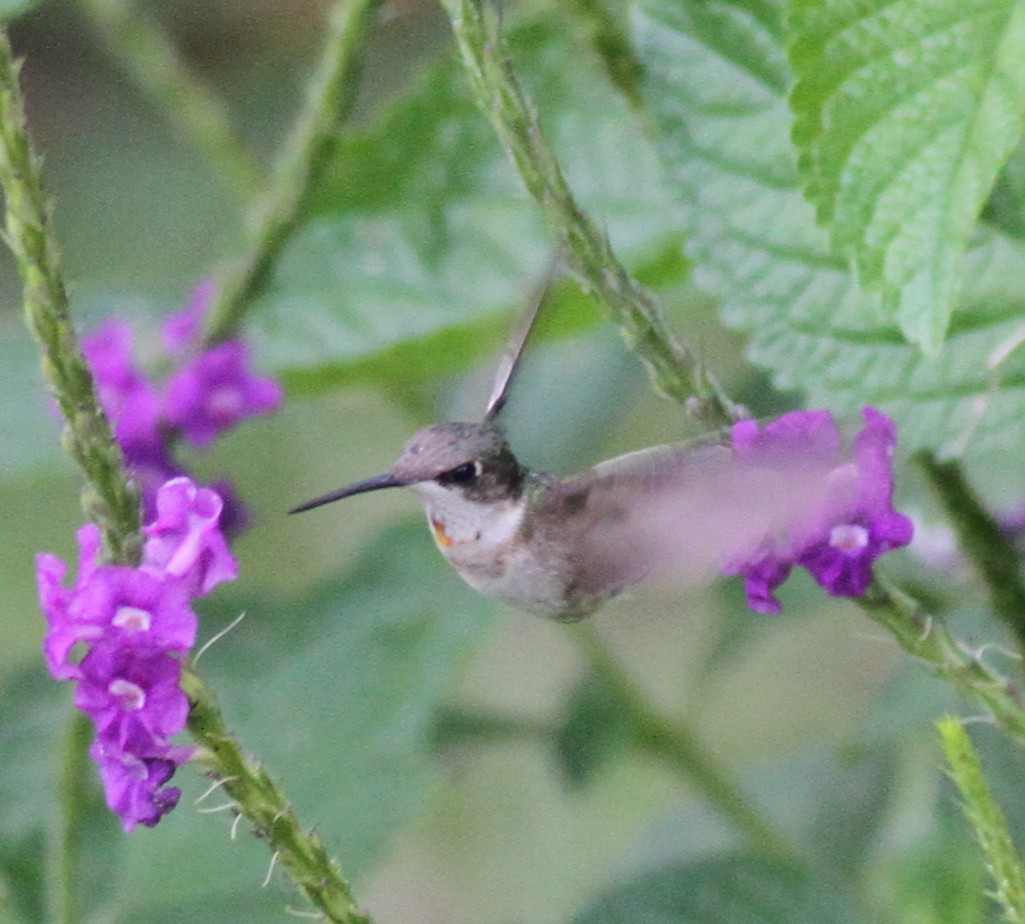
(461, 474)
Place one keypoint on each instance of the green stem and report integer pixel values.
(985, 546)
(330, 100)
(986, 819)
(299, 851)
(678, 746)
(674, 371)
(90, 441)
(108, 498)
(927, 639)
(142, 48)
(65, 842)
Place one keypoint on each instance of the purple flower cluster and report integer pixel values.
(853, 523)
(209, 391)
(119, 632)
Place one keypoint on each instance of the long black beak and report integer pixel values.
(360, 487)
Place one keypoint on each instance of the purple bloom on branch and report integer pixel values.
(129, 400)
(134, 624)
(134, 698)
(186, 542)
(846, 529)
(182, 330)
(63, 631)
(216, 390)
(862, 524)
(132, 785)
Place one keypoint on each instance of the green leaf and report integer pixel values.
(732, 889)
(593, 730)
(336, 694)
(421, 233)
(716, 86)
(905, 112)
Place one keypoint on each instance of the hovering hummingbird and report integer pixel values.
(561, 547)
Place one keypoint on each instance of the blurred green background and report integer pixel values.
(357, 638)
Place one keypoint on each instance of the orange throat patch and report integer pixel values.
(441, 537)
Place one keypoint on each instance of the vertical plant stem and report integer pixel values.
(108, 498)
(983, 543)
(676, 745)
(142, 48)
(299, 851)
(64, 847)
(112, 502)
(986, 818)
(330, 100)
(674, 371)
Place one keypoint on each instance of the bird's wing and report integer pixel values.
(681, 513)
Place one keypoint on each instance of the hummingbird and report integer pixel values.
(562, 547)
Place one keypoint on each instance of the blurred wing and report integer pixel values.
(678, 513)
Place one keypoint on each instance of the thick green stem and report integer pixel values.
(678, 746)
(142, 48)
(985, 546)
(674, 371)
(927, 639)
(299, 851)
(330, 100)
(987, 820)
(108, 498)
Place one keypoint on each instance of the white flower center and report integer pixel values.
(848, 537)
(225, 402)
(131, 695)
(132, 619)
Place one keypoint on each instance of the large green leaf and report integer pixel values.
(905, 112)
(422, 233)
(731, 889)
(717, 78)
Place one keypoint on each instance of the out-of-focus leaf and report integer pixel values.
(29, 432)
(716, 83)
(592, 730)
(336, 695)
(731, 889)
(853, 810)
(905, 112)
(422, 234)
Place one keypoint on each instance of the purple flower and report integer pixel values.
(182, 330)
(847, 526)
(132, 785)
(861, 524)
(63, 632)
(134, 698)
(215, 391)
(128, 399)
(761, 578)
(185, 542)
(136, 608)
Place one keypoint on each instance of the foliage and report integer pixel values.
(840, 185)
